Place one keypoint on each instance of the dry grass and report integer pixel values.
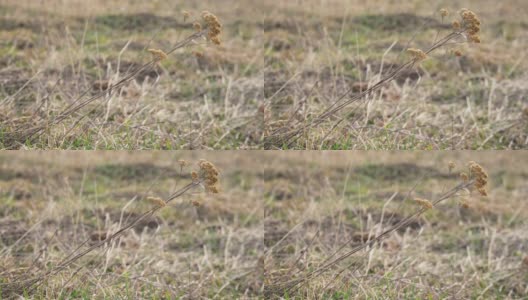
(83, 226)
(79, 75)
(342, 225)
(310, 225)
(325, 69)
(323, 54)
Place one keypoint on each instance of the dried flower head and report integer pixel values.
(182, 164)
(194, 176)
(209, 175)
(157, 201)
(457, 53)
(480, 176)
(198, 54)
(417, 54)
(456, 25)
(186, 15)
(471, 24)
(196, 203)
(451, 165)
(424, 203)
(474, 38)
(464, 177)
(157, 54)
(216, 40)
(444, 12)
(197, 26)
(214, 27)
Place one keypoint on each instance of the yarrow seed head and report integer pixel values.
(197, 26)
(214, 27)
(451, 165)
(186, 15)
(444, 12)
(157, 54)
(464, 177)
(480, 176)
(209, 175)
(417, 54)
(424, 203)
(471, 24)
(182, 163)
(157, 201)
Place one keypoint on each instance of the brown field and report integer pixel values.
(53, 203)
(57, 53)
(276, 218)
(443, 76)
(467, 247)
(320, 52)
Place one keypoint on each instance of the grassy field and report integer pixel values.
(280, 66)
(56, 53)
(323, 203)
(319, 51)
(51, 204)
(278, 217)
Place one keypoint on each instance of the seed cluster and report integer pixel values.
(444, 12)
(182, 163)
(417, 54)
(158, 54)
(424, 203)
(214, 27)
(464, 177)
(186, 15)
(451, 165)
(157, 201)
(209, 175)
(480, 176)
(471, 25)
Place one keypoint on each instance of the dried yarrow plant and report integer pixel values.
(289, 281)
(205, 177)
(466, 29)
(208, 27)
